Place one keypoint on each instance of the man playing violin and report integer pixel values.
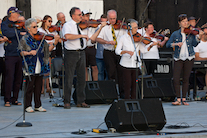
(201, 48)
(152, 54)
(90, 50)
(13, 62)
(75, 57)
(109, 37)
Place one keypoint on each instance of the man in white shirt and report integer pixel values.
(75, 57)
(109, 37)
(201, 48)
(152, 55)
(90, 49)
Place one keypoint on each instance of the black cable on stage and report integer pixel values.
(11, 123)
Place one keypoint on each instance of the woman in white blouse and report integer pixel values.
(125, 49)
(47, 22)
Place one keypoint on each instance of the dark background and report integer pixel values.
(163, 13)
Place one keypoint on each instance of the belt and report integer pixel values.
(109, 50)
(90, 47)
(77, 50)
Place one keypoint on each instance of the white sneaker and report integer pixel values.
(40, 109)
(29, 110)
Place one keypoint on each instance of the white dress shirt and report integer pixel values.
(70, 27)
(2, 51)
(106, 34)
(125, 43)
(153, 53)
(88, 32)
(48, 32)
(201, 48)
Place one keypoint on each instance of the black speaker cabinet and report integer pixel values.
(158, 88)
(132, 115)
(98, 92)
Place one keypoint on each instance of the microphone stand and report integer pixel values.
(142, 62)
(138, 61)
(63, 71)
(24, 123)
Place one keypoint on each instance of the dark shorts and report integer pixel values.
(90, 56)
(53, 54)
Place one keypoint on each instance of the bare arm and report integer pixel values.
(197, 57)
(94, 36)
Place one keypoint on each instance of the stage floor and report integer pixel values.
(58, 122)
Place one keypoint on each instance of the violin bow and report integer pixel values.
(120, 27)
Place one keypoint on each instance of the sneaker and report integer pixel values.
(40, 109)
(29, 110)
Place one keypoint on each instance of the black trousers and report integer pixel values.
(13, 77)
(2, 72)
(186, 67)
(74, 60)
(150, 65)
(33, 86)
(114, 69)
(129, 78)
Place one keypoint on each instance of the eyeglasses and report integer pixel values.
(79, 14)
(50, 21)
(34, 26)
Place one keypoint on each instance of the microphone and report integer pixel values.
(13, 25)
(129, 26)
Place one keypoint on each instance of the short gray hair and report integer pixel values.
(132, 21)
(111, 11)
(29, 21)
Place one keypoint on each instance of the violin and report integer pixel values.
(39, 36)
(138, 37)
(20, 24)
(191, 30)
(53, 28)
(9, 41)
(119, 25)
(91, 23)
(160, 36)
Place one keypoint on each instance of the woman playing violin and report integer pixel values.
(152, 54)
(38, 64)
(125, 49)
(183, 57)
(47, 22)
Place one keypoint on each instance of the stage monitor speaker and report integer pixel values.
(158, 88)
(132, 115)
(98, 92)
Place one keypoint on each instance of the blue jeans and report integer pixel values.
(101, 69)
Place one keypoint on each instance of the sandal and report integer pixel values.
(16, 103)
(29, 110)
(7, 104)
(49, 91)
(40, 109)
(176, 103)
(185, 103)
(84, 105)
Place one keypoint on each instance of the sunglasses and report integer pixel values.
(50, 21)
(79, 14)
(34, 26)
